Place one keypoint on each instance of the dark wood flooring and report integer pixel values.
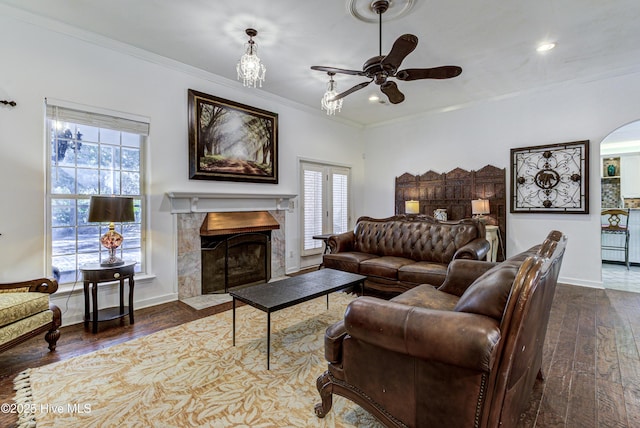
(591, 361)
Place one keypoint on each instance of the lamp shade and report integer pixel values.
(115, 209)
(411, 207)
(479, 206)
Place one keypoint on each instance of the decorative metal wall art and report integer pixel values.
(552, 178)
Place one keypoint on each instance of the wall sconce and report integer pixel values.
(112, 209)
(411, 207)
(479, 207)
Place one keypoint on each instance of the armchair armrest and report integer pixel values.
(40, 285)
(333, 342)
(461, 273)
(456, 338)
(341, 242)
(474, 250)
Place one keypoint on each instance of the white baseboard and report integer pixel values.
(75, 315)
(581, 282)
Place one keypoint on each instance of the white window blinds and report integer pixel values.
(340, 202)
(313, 210)
(65, 114)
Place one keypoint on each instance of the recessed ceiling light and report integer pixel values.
(545, 47)
(374, 98)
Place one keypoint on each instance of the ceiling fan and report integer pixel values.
(381, 67)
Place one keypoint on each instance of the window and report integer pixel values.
(325, 203)
(91, 154)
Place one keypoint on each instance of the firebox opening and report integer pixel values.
(236, 250)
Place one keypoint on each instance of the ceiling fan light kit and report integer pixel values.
(328, 102)
(381, 67)
(249, 68)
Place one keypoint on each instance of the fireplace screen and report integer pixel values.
(231, 260)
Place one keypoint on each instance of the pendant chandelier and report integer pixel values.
(249, 68)
(327, 102)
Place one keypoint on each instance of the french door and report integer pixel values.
(324, 203)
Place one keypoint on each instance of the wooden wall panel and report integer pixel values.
(454, 191)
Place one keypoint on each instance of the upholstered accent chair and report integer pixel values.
(25, 312)
(465, 354)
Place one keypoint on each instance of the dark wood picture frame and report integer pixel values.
(231, 141)
(551, 178)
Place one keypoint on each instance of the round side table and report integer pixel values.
(95, 274)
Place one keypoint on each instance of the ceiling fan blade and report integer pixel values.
(351, 90)
(337, 70)
(390, 89)
(444, 72)
(402, 47)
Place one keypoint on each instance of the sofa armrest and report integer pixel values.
(333, 337)
(40, 285)
(456, 338)
(474, 250)
(461, 273)
(341, 242)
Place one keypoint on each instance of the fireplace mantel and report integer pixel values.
(192, 202)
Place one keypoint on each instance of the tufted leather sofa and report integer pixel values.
(401, 252)
(463, 355)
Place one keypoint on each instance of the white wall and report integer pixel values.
(38, 63)
(484, 133)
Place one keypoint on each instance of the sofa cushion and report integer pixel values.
(423, 273)
(488, 294)
(384, 267)
(17, 306)
(23, 326)
(426, 296)
(14, 290)
(348, 261)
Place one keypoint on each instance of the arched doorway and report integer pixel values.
(620, 188)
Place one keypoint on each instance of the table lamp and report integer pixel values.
(111, 209)
(411, 207)
(479, 207)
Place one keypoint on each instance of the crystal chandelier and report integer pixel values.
(328, 103)
(249, 68)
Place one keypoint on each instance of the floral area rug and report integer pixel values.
(207, 300)
(192, 376)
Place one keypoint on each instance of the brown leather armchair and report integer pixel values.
(463, 355)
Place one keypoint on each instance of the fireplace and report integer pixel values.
(190, 210)
(235, 250)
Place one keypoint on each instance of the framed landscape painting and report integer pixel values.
(231, 141)
(552, 178)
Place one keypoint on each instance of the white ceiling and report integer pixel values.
(492, 40)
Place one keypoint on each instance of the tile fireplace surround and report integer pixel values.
(191, 209)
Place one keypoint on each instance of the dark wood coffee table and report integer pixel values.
(273, 296)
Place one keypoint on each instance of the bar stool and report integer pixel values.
(615, 222)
